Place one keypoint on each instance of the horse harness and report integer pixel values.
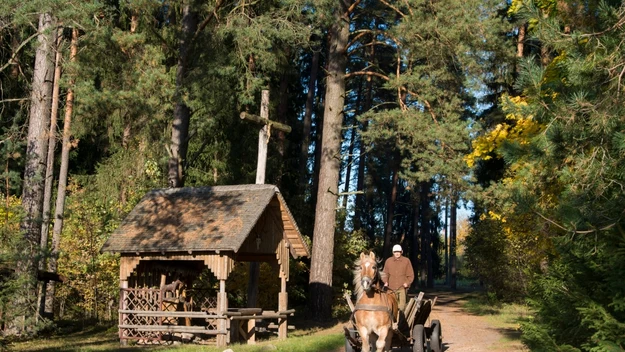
(376, 307)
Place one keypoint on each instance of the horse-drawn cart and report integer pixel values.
(409, 330)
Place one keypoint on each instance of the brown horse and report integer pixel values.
(375, 310)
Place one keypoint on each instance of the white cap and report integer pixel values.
(397, 248)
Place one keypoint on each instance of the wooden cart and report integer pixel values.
(410, 330)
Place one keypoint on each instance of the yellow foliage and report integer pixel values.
(517, 128)
(9, 212)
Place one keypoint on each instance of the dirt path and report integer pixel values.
(466, 332)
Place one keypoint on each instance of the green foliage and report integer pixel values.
(348, 247)
(92, 278)
(564, 183)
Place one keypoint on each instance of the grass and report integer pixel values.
(506, 317)
(99, 338)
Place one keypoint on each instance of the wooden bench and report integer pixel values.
(171, 314)
(174, 329)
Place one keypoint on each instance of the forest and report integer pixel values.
(402, 112)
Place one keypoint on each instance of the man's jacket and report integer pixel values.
(398, 271)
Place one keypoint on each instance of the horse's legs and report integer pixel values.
(364, 336)
(389, 340)
(383, 343)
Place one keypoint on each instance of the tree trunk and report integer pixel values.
(34, 170)
(446, 242)
(310, 96)
(427, 219)
(452, 239)
(317, 158)
(425, 230)
(414, 251)
(182, 113)
(47, 195)
(520, 43)
(390, 214)
(60, 196)
(283, 108)
(362, 161)
(325, 215)
(348, 167)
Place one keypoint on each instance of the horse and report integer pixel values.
(375, 310)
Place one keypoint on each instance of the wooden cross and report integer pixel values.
(264, 134)
(263, 139)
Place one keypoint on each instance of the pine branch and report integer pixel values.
(394, 8)
(17, 50)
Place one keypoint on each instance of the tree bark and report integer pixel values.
(348, 167)
(310, 96)
(325, 216)
(425, 227)
(427, 220)
(520, 43)
(47, 195)
(63, 172)
(446, 242)
(390, 213)
(37, 145)
(362, 160)
(182, 113)
(317, 155)
(414, 257)
(283, 108)
(452, 239)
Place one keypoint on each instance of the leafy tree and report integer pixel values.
(566, 174)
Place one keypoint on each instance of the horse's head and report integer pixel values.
(368, 267)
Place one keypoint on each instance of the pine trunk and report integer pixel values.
(520, 43)
(310, 96)
(414, 250)
(390, 213)
(182, 113)
(63, 171)
(317, 158)
(362, 161)
(36, 149)
(425, 230)
(47, 195)
(446, 241)
(348, 167)
(283, 108)
(428, 220)
(325, 215)
(452, 240)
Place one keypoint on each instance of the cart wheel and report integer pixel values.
(348, 346)
(436, 339)
(418, 335)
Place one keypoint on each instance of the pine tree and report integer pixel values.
(36, 151)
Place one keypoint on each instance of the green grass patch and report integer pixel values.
(106, 339)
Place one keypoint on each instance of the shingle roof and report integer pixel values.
(198, 219)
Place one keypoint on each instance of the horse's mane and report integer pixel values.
(379, 277)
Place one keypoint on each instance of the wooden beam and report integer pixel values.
(274, 125)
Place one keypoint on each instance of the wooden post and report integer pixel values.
(261, 164)
(283, 304)
(263, 139)
(222, 306)
(254, 269)
(123, 284)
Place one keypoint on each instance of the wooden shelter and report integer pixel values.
(174, 234)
